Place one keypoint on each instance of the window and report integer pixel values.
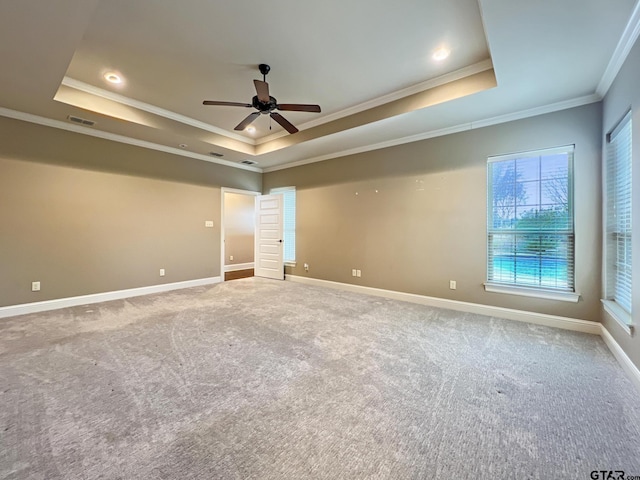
(289, 221)
(530, 240)
(618, 220)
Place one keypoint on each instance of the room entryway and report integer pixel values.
(251, 235)
(238, 234)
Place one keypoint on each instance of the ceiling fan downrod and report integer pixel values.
(264, 70)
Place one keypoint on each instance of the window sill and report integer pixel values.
(290, 264)
(532, 292)
(616, 312)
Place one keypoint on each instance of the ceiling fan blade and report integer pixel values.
(284, 122)
(298, 107)
(227, 104)
(262, 88)
(247, 121)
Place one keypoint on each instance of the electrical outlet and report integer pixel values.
(230, 257)
(306, 267)
(452, 284)
(35, 286)
(358, 273)
(354, 272)
(208, 223)
(162, 272)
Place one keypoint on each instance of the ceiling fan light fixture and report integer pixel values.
(440, 54)
(113, 77)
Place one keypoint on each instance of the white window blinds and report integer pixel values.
(618, 215)
(289, 227)
(530, 219)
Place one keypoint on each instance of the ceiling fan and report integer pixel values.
(266, 104)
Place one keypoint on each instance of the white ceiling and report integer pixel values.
(360, 60)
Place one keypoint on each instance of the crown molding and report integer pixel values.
(572, 103)
(419, 87)
(534, 112)
(49, 122)
(620, 54)
(390, 97)
(509, 117)
(376, 146)
(147, 107)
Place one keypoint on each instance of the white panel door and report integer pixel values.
(269, 258)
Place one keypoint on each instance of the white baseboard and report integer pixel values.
(565, 323)
(624, 361)
(510, 314)
(507, 313)
(35, 307)
(238, 266)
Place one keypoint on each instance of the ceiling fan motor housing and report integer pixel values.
(265, 107)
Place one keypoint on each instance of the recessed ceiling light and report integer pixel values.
(112, 77)
(440, 54)
(251, 129)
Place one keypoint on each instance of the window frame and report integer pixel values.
(289, 234)
(568, 294)
(612, 154)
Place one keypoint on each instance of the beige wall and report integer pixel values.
(426, 224)
(239, 227)
(84, 215)
(623, 95)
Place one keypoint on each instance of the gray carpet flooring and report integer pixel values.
(259, 379)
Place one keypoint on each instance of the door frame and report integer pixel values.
(224, 190)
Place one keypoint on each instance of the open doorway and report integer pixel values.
(238, 234)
